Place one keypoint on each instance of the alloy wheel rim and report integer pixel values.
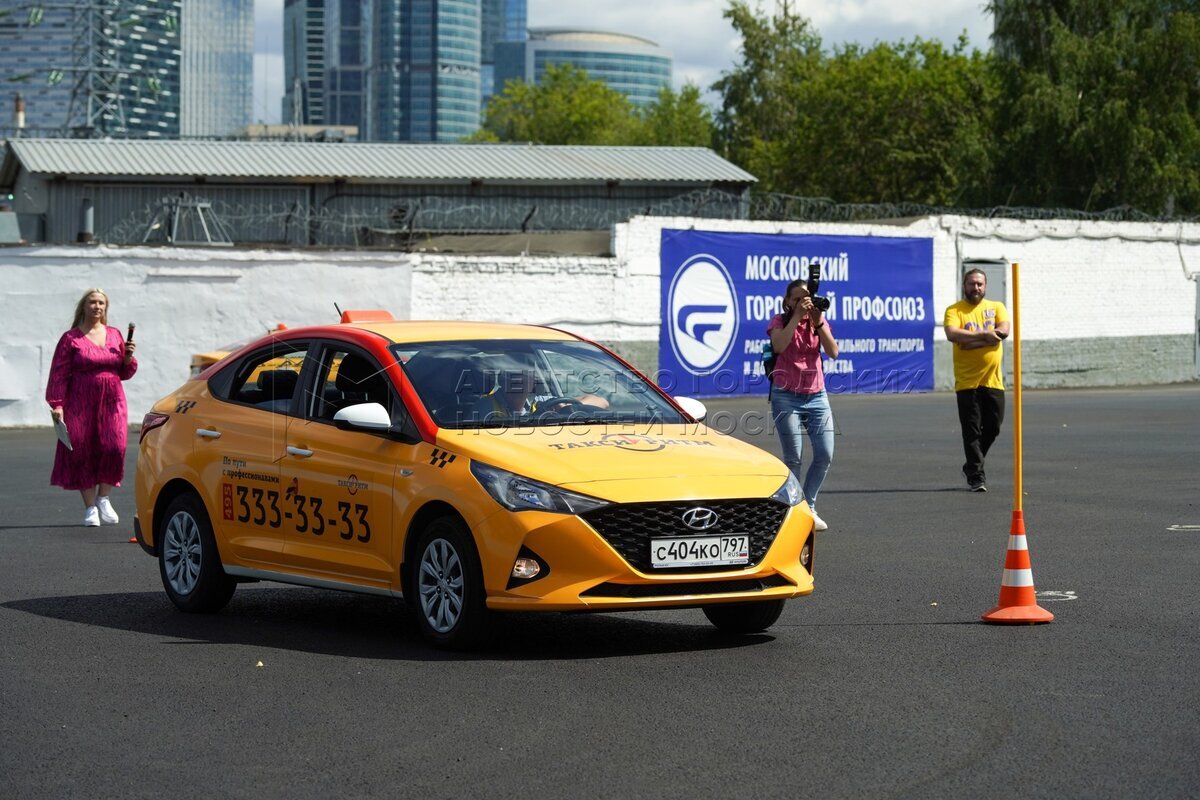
(441, 586)
(182, 553)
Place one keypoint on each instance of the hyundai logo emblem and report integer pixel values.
(699, 519)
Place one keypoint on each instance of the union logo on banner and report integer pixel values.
(703, 310)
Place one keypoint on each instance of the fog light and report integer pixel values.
(806, 555)
(525, 569)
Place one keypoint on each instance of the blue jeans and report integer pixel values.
(793, 414)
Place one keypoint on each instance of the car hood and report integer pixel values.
(627, 463)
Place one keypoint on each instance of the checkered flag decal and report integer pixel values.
(441, 458)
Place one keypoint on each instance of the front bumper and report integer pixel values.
(585, 573)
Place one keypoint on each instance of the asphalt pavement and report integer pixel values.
(883, 683)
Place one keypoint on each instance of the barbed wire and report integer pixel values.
(785, 207)
(364, 221)
(361, 220)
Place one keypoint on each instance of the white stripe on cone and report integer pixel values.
(1017, 542)
(1017, 577)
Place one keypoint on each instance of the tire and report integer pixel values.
(188, 560)
(752, 617)
(448, 599)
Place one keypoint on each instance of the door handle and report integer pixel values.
(299, 451)
(205, 433)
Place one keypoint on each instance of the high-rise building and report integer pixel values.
(423, 82)
(216, 69)
(636, 67)
(136, 68)
(88, 68)
(503, 21)
(303, 62)
(347, 54)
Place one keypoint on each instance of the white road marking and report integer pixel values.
(1053, 596)
(1184, 528)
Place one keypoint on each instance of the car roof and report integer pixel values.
(412, 331)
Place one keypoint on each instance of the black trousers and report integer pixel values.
(980, 412)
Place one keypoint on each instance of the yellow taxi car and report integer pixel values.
(469, 468)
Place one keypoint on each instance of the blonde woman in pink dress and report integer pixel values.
(85, 391)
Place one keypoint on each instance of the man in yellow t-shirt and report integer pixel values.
(977, 327)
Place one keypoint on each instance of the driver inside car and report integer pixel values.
(515, 395)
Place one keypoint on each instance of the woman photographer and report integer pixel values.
(798, 400)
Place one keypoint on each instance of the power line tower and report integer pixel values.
(103, 70)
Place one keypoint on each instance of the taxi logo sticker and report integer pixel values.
(352, 484)
(638, 444)
(634, 443)
(293, 489)
(441, 458)
(184, 406)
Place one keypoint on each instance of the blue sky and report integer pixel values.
(701, 41)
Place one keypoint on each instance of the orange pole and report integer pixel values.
(1018, 599)
(1016, 347)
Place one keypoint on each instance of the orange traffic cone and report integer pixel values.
(1018, 601)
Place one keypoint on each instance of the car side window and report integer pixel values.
(347, 377)
(267, 378)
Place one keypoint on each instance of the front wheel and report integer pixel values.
(188, 560)
(450, 603)
(751, 617)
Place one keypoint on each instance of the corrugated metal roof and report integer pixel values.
(380, 162)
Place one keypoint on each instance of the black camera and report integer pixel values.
(813, 284)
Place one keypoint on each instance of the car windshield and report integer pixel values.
(500, 383)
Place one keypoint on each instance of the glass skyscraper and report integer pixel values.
(423, 82)
(303, 62)
(93, 69)
(155, 68)
(216, 72)
(347, 53)
(503, 21)
(636, 67)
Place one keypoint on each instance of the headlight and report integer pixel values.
(790, 494)
(517, 493)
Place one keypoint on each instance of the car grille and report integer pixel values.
(629, 527)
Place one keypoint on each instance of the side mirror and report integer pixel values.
(694, 408)
(363, 417)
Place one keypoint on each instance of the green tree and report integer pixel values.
(903, 122)
(676, 118)
(1100, 103)
(566, 107)
(760, 108)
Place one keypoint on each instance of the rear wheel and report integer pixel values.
(188, 560)
(750, 617)
(449, 601)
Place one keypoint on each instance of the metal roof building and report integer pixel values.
(350, 194)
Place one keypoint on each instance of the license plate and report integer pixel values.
(701, 551)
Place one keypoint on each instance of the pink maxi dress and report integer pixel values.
(86, 381)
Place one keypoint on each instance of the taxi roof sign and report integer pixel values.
(367, 315)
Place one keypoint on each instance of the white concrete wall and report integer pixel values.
(183, 301)
(1079, 280)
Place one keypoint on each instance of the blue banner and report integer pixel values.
(720, 291)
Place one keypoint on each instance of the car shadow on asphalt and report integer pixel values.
(358, 626)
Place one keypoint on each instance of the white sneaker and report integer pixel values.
(91, 517)
(818, 523)
(107, 514)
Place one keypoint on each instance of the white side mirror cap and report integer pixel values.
(365, 416)
(694, 408)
